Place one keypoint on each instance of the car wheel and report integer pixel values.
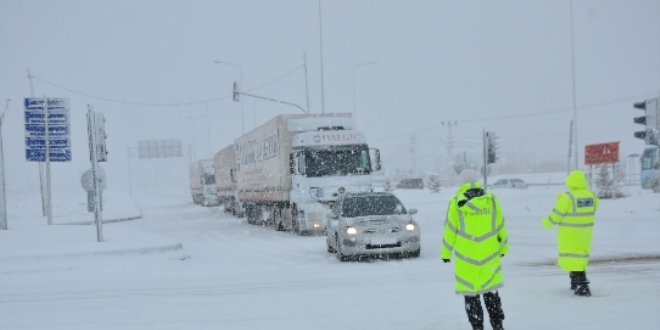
(340, 255)
(415, 253)
(329, 248)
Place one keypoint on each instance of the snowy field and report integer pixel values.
(231, 275)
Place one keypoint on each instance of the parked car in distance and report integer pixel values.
(510, 183)
(371, 224)
(410, 184)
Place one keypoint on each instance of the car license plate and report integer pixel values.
(383, 240)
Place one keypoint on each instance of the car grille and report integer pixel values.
(382, 246)
(385, 231)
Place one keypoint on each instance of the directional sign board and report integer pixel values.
(59, 135)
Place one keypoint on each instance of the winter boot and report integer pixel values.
(494, 308)
(573, 281)
(582, 284)
(477, 327)
(475, 312)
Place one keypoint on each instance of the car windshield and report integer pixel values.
(337, 162)
(371, 205)
(501, 182)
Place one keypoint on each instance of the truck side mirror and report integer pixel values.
(292, 164)
(375, 159)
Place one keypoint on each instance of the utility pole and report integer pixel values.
(3, 197)
(321, 42)
(412, 152)
(574, 123)
(450, 138)
(306, 81)
(450, 144)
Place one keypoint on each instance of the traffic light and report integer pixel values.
(101, 150)
(96, 126)
(651, 121)
(491, 148)
(237, 95)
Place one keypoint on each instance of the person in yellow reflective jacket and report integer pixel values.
(475, 232)
(574, 214)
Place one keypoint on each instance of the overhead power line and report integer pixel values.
(175, 104)
(532, 114)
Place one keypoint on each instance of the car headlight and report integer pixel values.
(351, 230)
(410, 226)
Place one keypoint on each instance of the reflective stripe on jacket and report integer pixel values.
(574, 214)
(476, 234)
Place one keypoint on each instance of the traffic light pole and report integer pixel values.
(485, 143)
(237, 92)
(91, 129)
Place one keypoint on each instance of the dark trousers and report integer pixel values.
(475, 312)
(578, 278)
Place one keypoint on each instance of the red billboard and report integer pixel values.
(602, 153)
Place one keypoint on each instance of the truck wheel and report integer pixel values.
(249, 214)
(295, 226)
(277, 219)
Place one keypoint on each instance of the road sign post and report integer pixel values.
(47, 136)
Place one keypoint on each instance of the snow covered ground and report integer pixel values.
(231, 275)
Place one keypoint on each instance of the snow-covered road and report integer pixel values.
(231, 275)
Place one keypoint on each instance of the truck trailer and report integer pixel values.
(290, 170)
(224, 162)
(202, 182)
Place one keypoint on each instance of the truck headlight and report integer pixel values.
(410, 226)
(351, 230)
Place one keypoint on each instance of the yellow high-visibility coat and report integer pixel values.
(476, 234)
(574, 214)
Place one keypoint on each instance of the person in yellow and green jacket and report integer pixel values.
(475, 232)
(574, 214)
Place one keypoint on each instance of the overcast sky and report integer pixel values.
(503, 66)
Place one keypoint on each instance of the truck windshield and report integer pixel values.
(209, 179)
(337, 162)
(371, 205)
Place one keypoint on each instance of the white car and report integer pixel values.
(510, 183)
(374, 225)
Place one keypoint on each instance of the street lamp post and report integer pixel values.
(193, 129)
(208, 129)
(355, 67)
(242, 108)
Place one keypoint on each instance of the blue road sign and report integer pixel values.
(59, 135)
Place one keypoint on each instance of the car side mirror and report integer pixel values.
(412, 211)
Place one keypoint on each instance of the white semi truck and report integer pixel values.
(291, 169)
(202, 182)
(224, 162)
